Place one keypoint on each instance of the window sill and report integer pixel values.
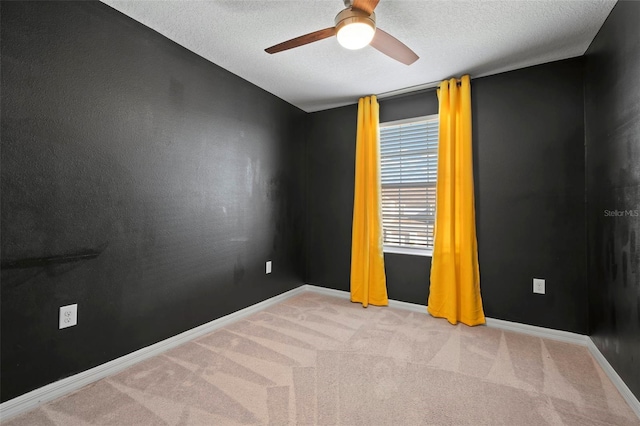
(407, 250)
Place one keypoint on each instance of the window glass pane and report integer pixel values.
(409, 160)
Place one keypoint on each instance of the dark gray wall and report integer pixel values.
(529, 146)
(138, 180)
(329, 162)
(529, 175)
(612, 112)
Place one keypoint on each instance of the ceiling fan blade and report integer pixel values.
(302, 40)
(365, 5)
(392, 47)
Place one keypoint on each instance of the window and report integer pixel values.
(409, 162)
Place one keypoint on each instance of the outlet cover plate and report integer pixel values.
(268, 267)
(538, 286)
(68, 316)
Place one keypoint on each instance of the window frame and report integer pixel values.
(396, 249)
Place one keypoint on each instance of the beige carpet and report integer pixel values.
(315, 359)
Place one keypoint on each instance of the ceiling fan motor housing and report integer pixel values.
(352, 16)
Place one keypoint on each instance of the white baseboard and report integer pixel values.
(69, 384)
(346, 295)
(615, 378)
(327, 291)
(547, 333)
(542, 332)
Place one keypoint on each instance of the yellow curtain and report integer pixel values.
(368, 281)
(454, 292)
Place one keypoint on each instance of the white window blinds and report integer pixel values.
(409, 160)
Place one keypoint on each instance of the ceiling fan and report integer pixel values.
(355, 28)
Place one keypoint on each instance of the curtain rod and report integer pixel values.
(408, 90)
(411, 89)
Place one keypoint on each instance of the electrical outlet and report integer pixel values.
(268, 267)
(538, 286)
(68, 316)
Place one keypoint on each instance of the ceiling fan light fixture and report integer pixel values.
(355, 36)
(355, 29)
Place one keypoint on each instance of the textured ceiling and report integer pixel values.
(451, 37)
